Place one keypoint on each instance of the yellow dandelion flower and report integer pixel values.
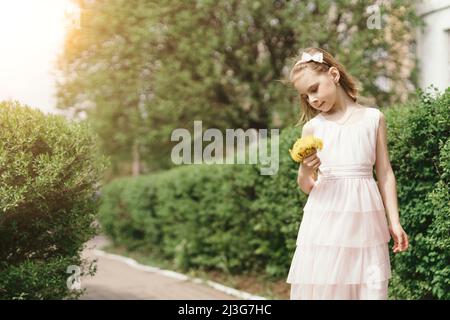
(305, 146)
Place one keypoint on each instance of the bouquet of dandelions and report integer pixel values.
(304, 147)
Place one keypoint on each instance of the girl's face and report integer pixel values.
(318, 88)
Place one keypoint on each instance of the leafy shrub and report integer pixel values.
(49, 170)
(419, 146)
(225, 217)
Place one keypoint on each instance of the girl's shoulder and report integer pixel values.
(373, 114)
(372, 111)
(311, 124)
(308, 127)
(313, 120)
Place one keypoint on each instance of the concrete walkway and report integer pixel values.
(115, 279)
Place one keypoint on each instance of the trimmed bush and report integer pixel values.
(49, 168)
(419, 146)
(226, 217)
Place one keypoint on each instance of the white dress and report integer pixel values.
(342, 244)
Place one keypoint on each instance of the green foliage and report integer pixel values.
(419, 142)
(34, 279)
(227, 217)
(140, 69)
(49, 170)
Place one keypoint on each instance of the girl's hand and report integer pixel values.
(400, 238)
(311, 162)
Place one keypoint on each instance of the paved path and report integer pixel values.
(115, 279)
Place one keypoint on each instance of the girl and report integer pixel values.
(342, 244)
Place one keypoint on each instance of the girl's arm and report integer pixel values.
(306, 177)
(388, 187)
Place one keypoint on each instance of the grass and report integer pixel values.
(252, 283)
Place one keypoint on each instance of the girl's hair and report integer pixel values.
(346, 81)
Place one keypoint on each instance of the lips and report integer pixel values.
(320, 105)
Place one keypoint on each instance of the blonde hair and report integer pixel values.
(346, 81)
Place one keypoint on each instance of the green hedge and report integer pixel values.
(49, 170)
(232, 218)
(213, 216)
(419, 149)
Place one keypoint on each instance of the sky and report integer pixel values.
(31, 37)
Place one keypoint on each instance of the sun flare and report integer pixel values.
(31, 33)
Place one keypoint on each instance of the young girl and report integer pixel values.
(342, 245)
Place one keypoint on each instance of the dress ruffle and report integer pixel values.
(349, 229)
(356, 195)
(316, 264)
(340, 292)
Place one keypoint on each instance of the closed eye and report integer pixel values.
(311, 89)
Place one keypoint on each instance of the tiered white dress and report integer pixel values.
(342, 244)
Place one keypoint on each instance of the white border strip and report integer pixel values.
(175, 275)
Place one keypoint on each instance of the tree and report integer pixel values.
(160, 65)
(105, 71)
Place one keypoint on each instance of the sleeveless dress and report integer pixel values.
(342, 244)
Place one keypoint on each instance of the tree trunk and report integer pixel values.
(136, 165)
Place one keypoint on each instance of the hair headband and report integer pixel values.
(306, 57)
